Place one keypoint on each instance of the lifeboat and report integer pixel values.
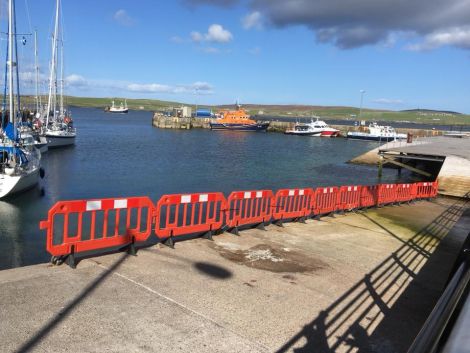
(238, 120)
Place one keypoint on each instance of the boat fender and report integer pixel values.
(42, 173)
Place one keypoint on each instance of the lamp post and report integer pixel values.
(196, 92)
(362, 98)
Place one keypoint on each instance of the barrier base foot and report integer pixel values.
(261, 226)
(57, 260)
(301, 220)
(279, 223)
(131, 249)
(317, 217)
(208, 235)
(332, 215)
(169, 242)
(234, 231)
(71, 261)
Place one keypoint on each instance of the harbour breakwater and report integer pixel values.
(166, 122)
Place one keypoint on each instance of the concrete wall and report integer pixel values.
(164, 122)
(454, 176)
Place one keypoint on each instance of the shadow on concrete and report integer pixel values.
(68, 309)
(386, 309)
(212, 270)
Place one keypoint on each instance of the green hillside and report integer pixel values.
(286, 111)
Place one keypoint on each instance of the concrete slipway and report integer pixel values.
(358, 282)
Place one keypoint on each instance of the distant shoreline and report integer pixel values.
(286, 112)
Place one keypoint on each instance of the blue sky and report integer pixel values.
(258, 51)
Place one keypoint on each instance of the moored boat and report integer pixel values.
(238, 120)
(58, 129)
(19, 166)
(314, 128)
(115, 109)
(377, 132)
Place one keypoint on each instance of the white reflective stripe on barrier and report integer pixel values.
(185, 198)
(93, 205)
(120, 203)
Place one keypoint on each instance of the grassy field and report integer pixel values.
(286, 111)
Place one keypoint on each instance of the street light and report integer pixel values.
(362, 98)
(196, 92)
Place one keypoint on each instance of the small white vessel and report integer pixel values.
(121, 109)
(314, 128)
(377, 132)
(58, 129)
(19, 167)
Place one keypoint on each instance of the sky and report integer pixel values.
(404, 54)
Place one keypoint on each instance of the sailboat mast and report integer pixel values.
(10, 64)
(38, 98)
(61, 110)
(53, 76)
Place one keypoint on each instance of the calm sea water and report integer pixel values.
(123, 155)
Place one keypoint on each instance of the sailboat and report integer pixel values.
(19, 167)
(58, 129)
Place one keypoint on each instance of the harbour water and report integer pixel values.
(122, 155)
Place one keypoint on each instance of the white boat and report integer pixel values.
(377, 132)
(33, 140)
(60, 136)
(19, 167)
(121, 109)
(58, 128)
(314, 128)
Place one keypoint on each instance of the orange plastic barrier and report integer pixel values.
(349, 197)
(181, 214)
(387, 194)
(435, 188)
(426, 189)
(78, 226)
(326, 200)
(293, 203)
(369, 195)
(405, 192)
(249, 207)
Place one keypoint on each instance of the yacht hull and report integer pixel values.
(59, 141)
(369, 137)
(10, 185)
(240, 127)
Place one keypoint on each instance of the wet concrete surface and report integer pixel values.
(361, 282)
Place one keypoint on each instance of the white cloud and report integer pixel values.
(211, 50)
(196, 37)
(455, 36)
(255, 51)
(215, 33)
(80, 82)
(122, 17)
(76, 80)
(387, 101)
(177, 39)
(252, 20)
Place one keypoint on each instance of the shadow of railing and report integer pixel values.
(372, 315)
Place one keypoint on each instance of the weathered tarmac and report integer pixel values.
(356, 282)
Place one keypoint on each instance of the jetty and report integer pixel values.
(186, 123)
(365, 280)
(444, 158)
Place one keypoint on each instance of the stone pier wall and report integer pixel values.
(165, 122)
